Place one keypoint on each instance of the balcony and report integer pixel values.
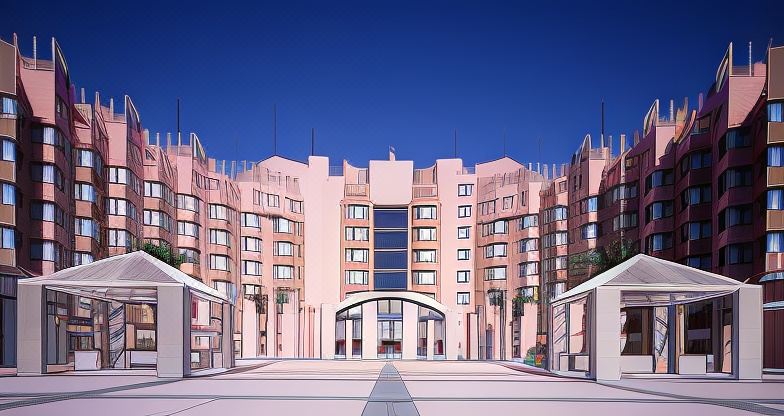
(356, 190)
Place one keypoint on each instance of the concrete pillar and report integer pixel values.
(473, 335)
(250, 329)
(606, 333)
(316, 334)
(455, 334)
(410, 317)
(173, 346)
(327, 331)
(228, 336)
(349, 338)
(370, 330)
(30, 326)
(431, 338)
(748, 341)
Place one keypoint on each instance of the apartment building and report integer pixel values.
(391, 260)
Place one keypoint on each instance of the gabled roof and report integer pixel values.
(132, 270)
(645, 272)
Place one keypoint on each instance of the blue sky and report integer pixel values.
(371, 74)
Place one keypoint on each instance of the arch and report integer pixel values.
(413, 297)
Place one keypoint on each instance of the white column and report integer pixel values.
(171, 342)
(250, 329)
(473, 335)
(327, 331)
(455, 333)
(30, 323)
(370, 330)
(228, 336)
(606, 333)
(749, 333)
(431, 337)
(349, 338)
(410, 317)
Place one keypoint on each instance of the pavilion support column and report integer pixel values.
(370, 330)
(327, 331)
(606, 332)
(410, 319)
(173, 331)
(30, 325)
(748, 330)
(228, 335)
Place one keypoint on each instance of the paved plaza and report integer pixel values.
(379, 388)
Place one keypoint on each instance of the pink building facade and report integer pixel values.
(390, 260)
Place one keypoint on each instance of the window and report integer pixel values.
(157, 219)
(590, 204)
(251, 244)
(357, 212)
(8, 238)
(425, 277)
(464, 211)
(220, 237)
(776, 156)
(658, 210)
(159, 190)
(273, 201)
(251, 268)
(44, 250)
(219, 262)
(47, 211)
(357, 255)
(734, 139)
(219, 212)
(465, 189)
(625, 221)
(126, 177)
(47, 174)
(557, 238)
(425, 212)
(497, 227)
(733, 178)
(529, 221)
(775, 242)
(86, 227)
(463, 233)
(47, 135)
(529, 268)
(425, 234)
(121, 238)
(695, 195)
(486, 208)
(189, 255)
(188, 202)
(121, 207)
(9, 194)
(659, 242)
(495, 250)
(774, 113)
(294, 206)
(283, 248)
(735, 215)
(87, 158)
(735, 254)
(699, 262)
(356, 277)
(776, 199)
(508, 202)
(555, 263)
(463, 254)
(495, 273)
(528, 244)
(282, 225)
(589, 231)
(622, 191)
(190, 229)
(557, 213)
(282, 272)
(657, 179)
(9, 150)
(357, 233)
(424, 256)
(8, 106)
(463, 276)
(695, 230)
(696, 160)
(463, 298)
(84, 192)
(250, 220)
(82, 258)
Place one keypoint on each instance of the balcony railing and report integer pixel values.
(336, 170)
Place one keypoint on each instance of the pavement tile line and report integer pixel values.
(389, 396)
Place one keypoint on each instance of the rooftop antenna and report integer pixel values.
(504, 135)
(750, 63)
(82, 94)
(601, 138)
(274, 129)
(179, 132)
(35, 53)
(455, 144)
(312, 141)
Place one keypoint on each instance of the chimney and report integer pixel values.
(545, 172)
(146, 136)
(751, 72)
(158, 139)
(223, 167)
(672, 110)
(563, 169)
(623, 143)
(636, 137)
(168, 140)
(111, 106)
(538, 168)
(35, 53)
(530, 166)
(609, 144)
(179, 139)
(553, 170)
(82, 94)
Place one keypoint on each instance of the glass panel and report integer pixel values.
(390, 218)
